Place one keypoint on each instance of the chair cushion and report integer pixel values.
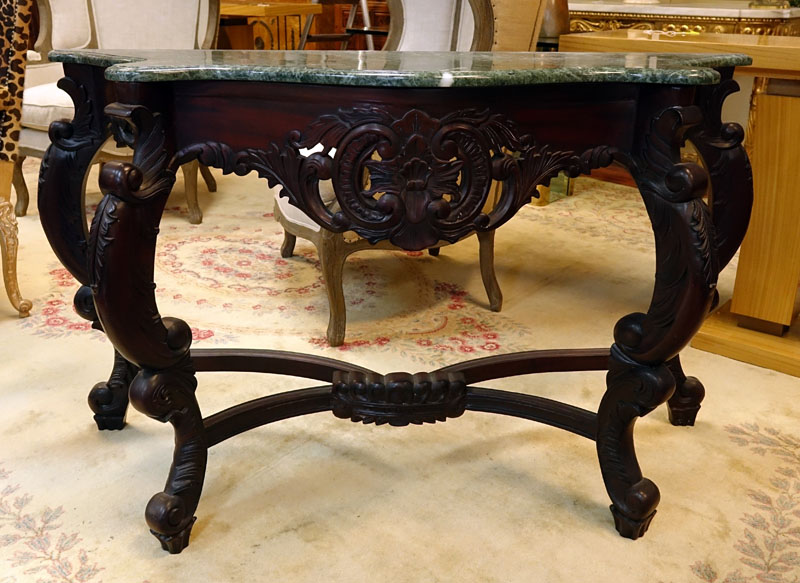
(294, 215)
(44, 104)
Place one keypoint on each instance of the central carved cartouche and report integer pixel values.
(398, 398)
(412, 179)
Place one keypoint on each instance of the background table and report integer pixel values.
(268, 26)
(755, 325)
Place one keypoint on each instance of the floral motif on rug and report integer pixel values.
(767, 546)
(34, 542)
(235, 282)
(608, 212)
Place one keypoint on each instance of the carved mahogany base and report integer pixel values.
(399, 399)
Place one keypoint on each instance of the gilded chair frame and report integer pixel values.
(15, 21)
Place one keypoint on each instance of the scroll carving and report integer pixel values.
(60, 201)
(428, 179)
(148, 175)
(81, 131)
(720, 145)
(686, 258)
(398, 398)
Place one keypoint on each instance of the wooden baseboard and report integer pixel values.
(721, 335)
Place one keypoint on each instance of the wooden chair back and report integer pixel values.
(465, 25)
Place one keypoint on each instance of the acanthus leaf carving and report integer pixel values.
(145, 131)
(398, 399)
(412, 178)
(80, 132)
(686, 259)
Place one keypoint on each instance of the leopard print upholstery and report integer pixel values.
(15, 22)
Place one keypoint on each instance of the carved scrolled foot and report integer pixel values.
(633, 391)
(689, 393)
(109, 400)
(641, 497)
(434, 251)
(168, 396)
(166, 517)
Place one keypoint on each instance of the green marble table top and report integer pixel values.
(404, 69)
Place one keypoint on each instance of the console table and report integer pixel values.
(433, 131)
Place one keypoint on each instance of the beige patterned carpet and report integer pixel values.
(479, 498)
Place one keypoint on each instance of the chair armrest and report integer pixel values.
(42, 73)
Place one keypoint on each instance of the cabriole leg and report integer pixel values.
(122, 246)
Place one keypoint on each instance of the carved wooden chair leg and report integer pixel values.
(211, 183)
(168, 396)
(689, 392)
(18, 181)
(9, 242)
(486, 244)
(287, 247)
(190, 170)
(633, 390)
(332, 254)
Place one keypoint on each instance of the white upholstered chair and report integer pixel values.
(418, 25)
(106, 24)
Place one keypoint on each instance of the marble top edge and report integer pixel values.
(404, 69)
